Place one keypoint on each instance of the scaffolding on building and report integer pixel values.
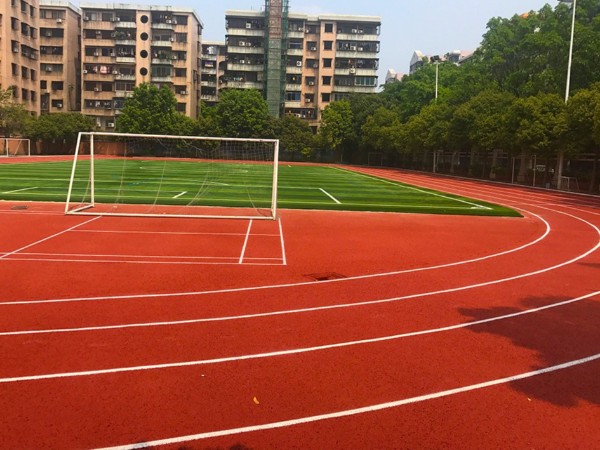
(276, 27)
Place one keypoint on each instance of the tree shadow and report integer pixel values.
(557, 335)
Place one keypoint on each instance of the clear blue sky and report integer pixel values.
(432, 26)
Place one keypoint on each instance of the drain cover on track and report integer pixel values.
(18, 207)
(324, 276)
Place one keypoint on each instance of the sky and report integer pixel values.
(432, 26)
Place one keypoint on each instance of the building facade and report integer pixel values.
(213, 69)
(127, 45)
(60, 56)
(324, 58)
(19, 51)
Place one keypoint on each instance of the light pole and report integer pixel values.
(561, 153)
(436, 60)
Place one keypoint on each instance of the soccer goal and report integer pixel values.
(15, 147)
(173, 176)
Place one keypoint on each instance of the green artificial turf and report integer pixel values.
(169, 182)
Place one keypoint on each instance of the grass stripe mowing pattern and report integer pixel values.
(231, 184)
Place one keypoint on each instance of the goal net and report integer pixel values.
(177, 176)
(15, 147)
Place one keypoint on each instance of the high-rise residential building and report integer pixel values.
(19, 51)
(301, 62)
(214, 66)
(60, 56)
(127, 45)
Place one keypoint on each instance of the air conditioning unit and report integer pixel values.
(311, 83)
(299, 63)
(183, 93)
(352, 70)
(248, 25)
(307, 100)
(172, 39)
(15, 50)
(313, 49)
(59, 20)
(353, 48)
(59, 105)
(96, 89)
(96, 54)
(242, 44)
(354, 31)
(174, 58)
(168, 21)
(49, 34)
(48, 69)
(110, 124)
(116, 19)
(86, 19)
(84, 71)
(115, 72)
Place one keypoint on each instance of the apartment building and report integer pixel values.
(19, 51)
(213, 68)
(60, 56)
(127, 45)
(323, 58)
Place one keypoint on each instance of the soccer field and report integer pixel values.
(180, 182)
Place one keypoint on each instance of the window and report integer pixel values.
(57, 85)
(328, 45)
(326, 81)
(325, 97)
(292, 96)
(327, 62)
(180, 107)
(43, 85)
(328, 28)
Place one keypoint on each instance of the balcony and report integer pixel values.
(245, 32)
(162, 61)
(245, 50)
(356, 54)
(130, 42)
(244, 67)
(295, 52)
(162, 26)
(355, 89)
(157, 43)
(126, 59)
(357, 37)
(161, 79)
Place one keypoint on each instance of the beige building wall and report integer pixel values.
(60, 56)
(19, 51)
(328, 57)
(126, 45)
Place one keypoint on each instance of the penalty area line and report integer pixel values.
(20, 190)
(180, 194)
(330, 196)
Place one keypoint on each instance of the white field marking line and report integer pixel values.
(356, 411)
(282, 240)
(241, 260)
(175, 233)
(94, 255)
(234, 262)
(48, 237)
(330, 196)
(395, 183)
(180, 194)
(20, 190)
(287, 285)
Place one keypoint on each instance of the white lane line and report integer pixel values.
(301, 284)
(283, 255)
(356, 411)
(4, 256)
(330, 196)
(19, 190)
(241, 260)
(180, 194)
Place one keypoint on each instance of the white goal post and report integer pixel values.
(137, 175)
(15, 147)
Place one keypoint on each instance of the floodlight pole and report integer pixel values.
(561, 153)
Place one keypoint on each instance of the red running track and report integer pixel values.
(427, 332)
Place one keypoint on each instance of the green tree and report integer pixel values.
(295, 136)
(240, 113)
(336, 130)
(153, 111)
(380, 131)
(538, 125)
(13, 115)
(61, 127)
